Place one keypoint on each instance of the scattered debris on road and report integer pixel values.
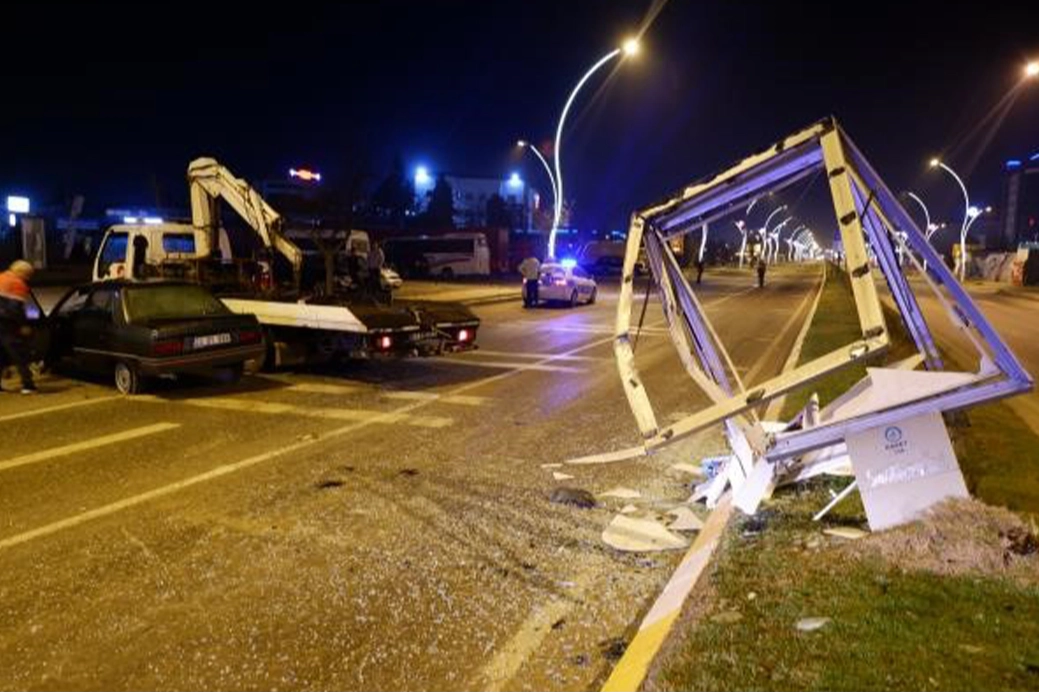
(573, 496)
(632, 534)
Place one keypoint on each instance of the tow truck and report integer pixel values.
(301, 324)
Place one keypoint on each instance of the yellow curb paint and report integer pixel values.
(633, 666)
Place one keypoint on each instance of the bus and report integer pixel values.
(447, 256)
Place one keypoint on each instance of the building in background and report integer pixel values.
(1020, 218)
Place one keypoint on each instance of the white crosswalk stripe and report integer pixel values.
(281, 408)
(64, 450)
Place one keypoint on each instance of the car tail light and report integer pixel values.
(464, 335)
(169, 347)
(249, 336)
(385, 341)
(559, 281)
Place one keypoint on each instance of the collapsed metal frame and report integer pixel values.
(869, 217)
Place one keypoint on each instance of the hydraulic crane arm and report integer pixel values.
(210, 182)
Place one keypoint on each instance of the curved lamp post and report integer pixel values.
(630, 47)
(938, 163)
(524, 144)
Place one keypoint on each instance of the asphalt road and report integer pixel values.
(383, 525)
(1014, 315)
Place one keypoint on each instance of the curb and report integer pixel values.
(631, 670)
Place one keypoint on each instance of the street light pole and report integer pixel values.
(630, 47)
(523, 144)
(966, 215)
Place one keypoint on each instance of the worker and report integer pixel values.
(699, 269)
(762, 266)
(530, 268)
(14, 323)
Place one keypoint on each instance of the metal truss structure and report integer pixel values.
(873, 225)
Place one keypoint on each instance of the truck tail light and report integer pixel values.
(168, 347)
(464, 335)
(385, 341)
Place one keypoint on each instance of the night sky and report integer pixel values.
(113, 103)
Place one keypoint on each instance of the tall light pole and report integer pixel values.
(630, 48)
(763, 232)
(523, 144)
(931, 226)
(938, 163)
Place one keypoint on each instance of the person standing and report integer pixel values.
(14, 324)
(762, 266)
(699, 269)
(530, 268)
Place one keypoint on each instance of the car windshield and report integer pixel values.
(170, 301)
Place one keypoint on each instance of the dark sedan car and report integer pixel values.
(139, 330)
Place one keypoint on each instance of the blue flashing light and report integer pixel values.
(130, 220)
(568, 263)
(152, 220)
(515, 181)
(1034, 157)
(422, 176)
(1013, 163)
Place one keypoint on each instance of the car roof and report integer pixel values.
(136, 283)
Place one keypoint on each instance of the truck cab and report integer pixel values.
(132, 251)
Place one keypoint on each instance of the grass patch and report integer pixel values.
(890, 628)
(904, 615)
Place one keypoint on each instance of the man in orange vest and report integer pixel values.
(14, 325)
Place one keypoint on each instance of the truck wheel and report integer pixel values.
(267, 361)
(447, 273)
(127, 380)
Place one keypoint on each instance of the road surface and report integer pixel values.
(380, 525)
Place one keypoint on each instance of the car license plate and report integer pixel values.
(423, 336)
(211, 340)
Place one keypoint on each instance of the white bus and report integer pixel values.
(447, 256)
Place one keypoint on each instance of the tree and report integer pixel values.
(441, 211)
(395, 195)
(497, 212)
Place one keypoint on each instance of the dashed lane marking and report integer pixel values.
(464, 400)
(530, 355)
(280, 408)
(57, 407)
(513, 365)
(51, 453)
(323, 388)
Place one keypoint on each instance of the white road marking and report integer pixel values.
(516, 365)
(529, 355)
(51, 453)
(57, 407)
(464, 400)
(323, 388)
(280, 408)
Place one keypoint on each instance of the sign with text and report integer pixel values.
(903, 469)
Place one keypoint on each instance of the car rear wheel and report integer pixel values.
(573, 299)
(127, 380)
(447, 273)
(591, 299)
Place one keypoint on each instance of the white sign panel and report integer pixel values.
(904, 468)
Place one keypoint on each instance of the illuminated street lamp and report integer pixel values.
(1032, 69)
(628, 49)
(938, 163)
(523, 144)
(932, 227)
